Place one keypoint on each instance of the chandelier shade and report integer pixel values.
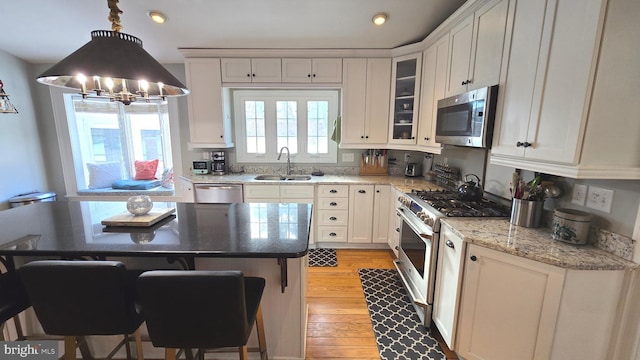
(114, 65)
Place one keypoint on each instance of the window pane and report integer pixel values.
(317, 127)
(104, 132)
(255, 127)
(286, 125)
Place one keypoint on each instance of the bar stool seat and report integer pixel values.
(202, 310)
(82, 298)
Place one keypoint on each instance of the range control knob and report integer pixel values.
(429, 221)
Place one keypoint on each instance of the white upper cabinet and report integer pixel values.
(565, 104)
(312, 70)
(475, 49)
(209, 120)
(405, 95)
(365, 102)
(434, 70)
(251, 70)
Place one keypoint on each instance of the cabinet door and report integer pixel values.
(451, 252)
(404, 99)
(296, 70)
(524, 74)
(261, 193)
(490, 25)
(381, 212)
(508, 308)
(326, 70)
(377, 101)
(354, 87)
(360, 213)
(266, 70)
(208, 125)
(459, 57)
(236, 70)
(434, 71)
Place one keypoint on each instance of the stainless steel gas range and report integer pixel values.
(421, 212)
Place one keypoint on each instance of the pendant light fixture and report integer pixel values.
(114, 65)
(6, 107)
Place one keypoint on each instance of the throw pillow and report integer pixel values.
(146, 169)
(167, 178)
(102, 175)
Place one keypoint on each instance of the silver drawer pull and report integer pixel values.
(449, 243)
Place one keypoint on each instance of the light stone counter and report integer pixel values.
(535, 244)
(402, 183)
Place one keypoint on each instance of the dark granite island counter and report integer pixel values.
(267, 240)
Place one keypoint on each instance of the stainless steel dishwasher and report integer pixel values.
(218, 193)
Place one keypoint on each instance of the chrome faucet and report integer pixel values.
(288, 159)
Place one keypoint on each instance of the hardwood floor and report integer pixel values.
(338, 325)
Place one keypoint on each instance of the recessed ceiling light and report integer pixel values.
(157, 17)
(380, 18)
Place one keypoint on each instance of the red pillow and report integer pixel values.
(146, 169)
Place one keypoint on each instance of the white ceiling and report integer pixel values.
(45, 31)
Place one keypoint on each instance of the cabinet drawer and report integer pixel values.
(333, 203)
(261, 191)
(332, 234)
(334, 191)
(296, 191)
(333, 217)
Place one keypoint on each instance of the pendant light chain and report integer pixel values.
(114, 15)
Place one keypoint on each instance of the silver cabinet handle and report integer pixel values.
(449, 243)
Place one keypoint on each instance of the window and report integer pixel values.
(106, 138)
(301, 120)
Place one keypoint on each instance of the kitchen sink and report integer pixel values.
(283, 177)
(269, 177)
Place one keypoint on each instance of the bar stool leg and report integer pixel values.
(69, 348)
(169, 354)
(262, 342)
(244, 355)
(138, 338)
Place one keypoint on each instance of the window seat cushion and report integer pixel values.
(135, 184)
(108, 191)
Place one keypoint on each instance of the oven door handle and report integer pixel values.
(414, 298)
(422, 234)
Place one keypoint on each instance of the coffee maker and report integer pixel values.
(218, 164)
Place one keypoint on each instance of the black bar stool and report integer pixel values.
(81, 298)
(13, 300)
(202, 310)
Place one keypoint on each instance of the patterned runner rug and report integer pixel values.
(323, 257)
(395, 323)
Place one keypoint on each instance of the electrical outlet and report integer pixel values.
(579, 194)
(348, 157)
(407, 158)
(600, 199)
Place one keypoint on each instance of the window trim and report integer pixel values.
(69, 162)
(271, 154)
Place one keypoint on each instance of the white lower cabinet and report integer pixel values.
(333, 213)
(516, 308)
(451, 250)
(360, 213)
(381, 214)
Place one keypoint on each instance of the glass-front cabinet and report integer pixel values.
(404, 99)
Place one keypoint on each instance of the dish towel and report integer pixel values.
(335, 135)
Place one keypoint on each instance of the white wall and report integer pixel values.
(22, 167)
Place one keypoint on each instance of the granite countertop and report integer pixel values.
(402, 183)
(535, 244)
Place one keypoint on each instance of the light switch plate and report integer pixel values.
(579, 194)
(600, 199)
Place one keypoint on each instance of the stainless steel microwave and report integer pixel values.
(467, 119)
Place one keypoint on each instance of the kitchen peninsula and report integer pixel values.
(266, 240)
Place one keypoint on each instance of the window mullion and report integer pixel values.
(124, 122)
